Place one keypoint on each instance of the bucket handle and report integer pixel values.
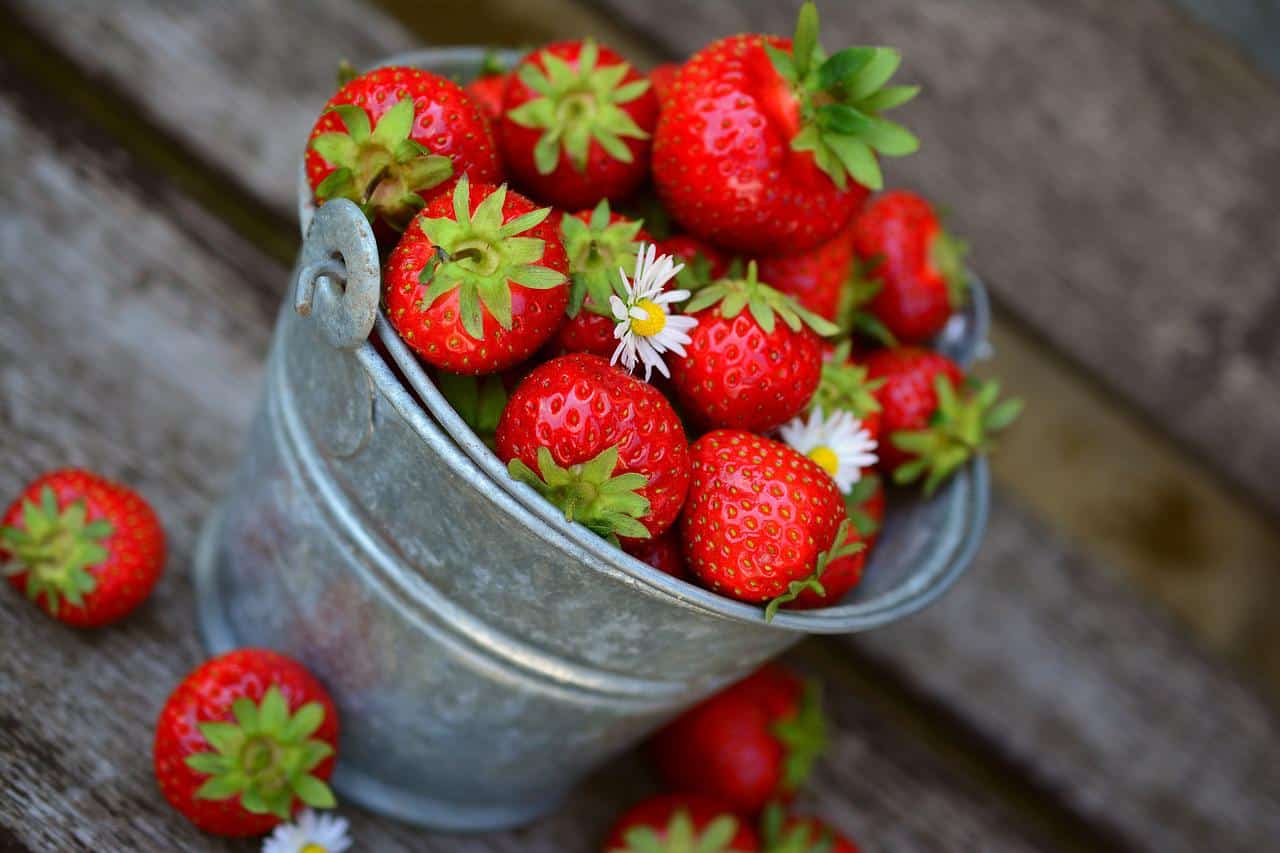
(338, 281)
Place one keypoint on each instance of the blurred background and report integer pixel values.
(1105, 678)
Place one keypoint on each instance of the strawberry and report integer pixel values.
(703, 263)
(85, 549)
(816, 278)
(762, 522)
(865, 504)
(662, 78)
(754, 742)
(392, 139)
(765, 145)
(934, 418)
(661, 552)
(477, 282)
(488, 86)
(245, 740)
(791, 834)
(576, 124)
(680, 823)
(919, 266)
(845, 387)
(606, 448)
(743, 369)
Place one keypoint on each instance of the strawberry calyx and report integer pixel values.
(589, 493)
(840, 547)
(578, 106)
(764, 303)
(681, 835)
(380, 167)
(597, 249)
(861, 492)
(844, 386)
(478, 400)
(804, 734)
(492, 65)
(778, 837)
(265, 756)
(480, 256)
(858, 291)
(841, 98)
(55, 548)
(946, 254)
(960, 427)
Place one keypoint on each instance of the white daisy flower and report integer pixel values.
(839, 444)
(311, 833)
(646, 327)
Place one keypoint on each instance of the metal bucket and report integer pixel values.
(485, 654)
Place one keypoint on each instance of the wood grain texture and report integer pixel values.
(149, 378)
(1114, 166)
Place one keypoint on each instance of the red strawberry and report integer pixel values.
(392, 139)
(85, 549)
(680, 823)
(845, 387)
(477, 282)
(865, 507)
(661, 552)
(758, 141)
(576, 124)
(866, 504)
(919, 266)
(753, 742)
(608, 449)
(791, 834)
(662, 78)
(761, 520)
(488, 86)
(744, 369)
(244, 741)
(934, 419)
(598, 243)
(816, 279)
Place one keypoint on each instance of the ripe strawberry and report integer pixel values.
(919, 266)
(680, 823)
(791, 834)
(488, 86)
(85, 549)
(761, 520)
(392, 139)
(816, 278)
(576, 124)
(753, 742)
(608, 449)
(934, 418)
(743, 369)
(477, 282)
(662, 78)
(661, 552)
(245, 740)
(760, 136)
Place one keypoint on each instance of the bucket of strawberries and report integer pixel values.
(585, 401)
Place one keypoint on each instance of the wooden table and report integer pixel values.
(1098, 682)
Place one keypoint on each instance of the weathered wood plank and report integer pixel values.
(1114, 167)
(133, 349)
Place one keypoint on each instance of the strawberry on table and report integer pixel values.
(761, 522)
(766, 147)
(934, 419)
(754, 742)
(918, 265)
(488, 86)
(601, 445)
(661, 552)
(681, 823)
(391, 139)
(478, 281)
(791, 834)
(576, 125)
(245, 740)
(754, 358)
(85, 549)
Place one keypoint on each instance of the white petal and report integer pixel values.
(619, 308)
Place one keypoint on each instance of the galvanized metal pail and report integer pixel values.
(484, 654)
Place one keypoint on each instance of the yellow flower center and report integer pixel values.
(655, 319)
(312, 847)
(826, 459)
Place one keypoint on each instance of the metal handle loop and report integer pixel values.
(338, 281)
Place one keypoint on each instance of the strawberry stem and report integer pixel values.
(55, 548)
